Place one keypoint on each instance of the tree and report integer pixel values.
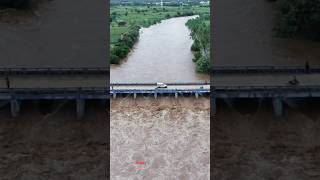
(298, 17)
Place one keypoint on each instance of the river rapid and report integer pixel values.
(172, 137)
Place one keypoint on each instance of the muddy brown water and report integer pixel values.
(162, 54)
(56, 33)
(249, 141)
(170, 135)
(244, 35)
(47, 142)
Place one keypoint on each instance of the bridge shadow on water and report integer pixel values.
(251, 106)
(51, 108)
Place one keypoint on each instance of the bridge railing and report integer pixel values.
(58, 71)
(55, 93)
(154, 84)
(264, 69)
(284, 87)
(265, 91)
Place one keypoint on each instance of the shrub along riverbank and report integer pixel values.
(126, 21)
(200, 33)
(298, 18)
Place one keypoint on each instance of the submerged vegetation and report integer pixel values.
(200, 33)
(126, 21)
(298, 18)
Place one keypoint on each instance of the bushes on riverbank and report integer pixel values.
(124, 37)
(298, 18)
(124, 45)
(200, 33)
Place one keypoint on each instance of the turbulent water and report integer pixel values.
(250, 143)
(170, 135)
(162, 54)
(50, 143)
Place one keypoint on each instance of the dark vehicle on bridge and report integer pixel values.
(294, 81)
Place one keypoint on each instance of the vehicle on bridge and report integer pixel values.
(161, 85)
(294, 81)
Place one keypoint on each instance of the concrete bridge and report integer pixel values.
(176, 89)
(278, 94)
(14, 96)
(81, 84)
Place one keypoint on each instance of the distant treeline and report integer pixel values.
(200, 33)
(298, 18)
(143, 2)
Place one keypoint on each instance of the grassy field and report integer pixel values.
(125, 22)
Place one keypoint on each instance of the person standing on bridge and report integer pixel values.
(7, 82)
(307, 66)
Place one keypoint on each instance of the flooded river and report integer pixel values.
(250, 142)
(162, 54)
(172, 137)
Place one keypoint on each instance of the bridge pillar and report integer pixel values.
(15, 107)
(277, 106)
(176, 95)
(80, 108)
(114, 95)
(155, 95)
(213, 105)
(103, 103)
(3, 104)
(197, 95)
(134, 95)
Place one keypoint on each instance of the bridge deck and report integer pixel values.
(264, 70)
(54, 81)
(52, 71)
(93, 85)
(264, 80)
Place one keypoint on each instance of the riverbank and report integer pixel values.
(200, 33)
(126, 21)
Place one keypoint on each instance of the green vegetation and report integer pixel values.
(200, 33)
(126, 21)
(298, 18)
